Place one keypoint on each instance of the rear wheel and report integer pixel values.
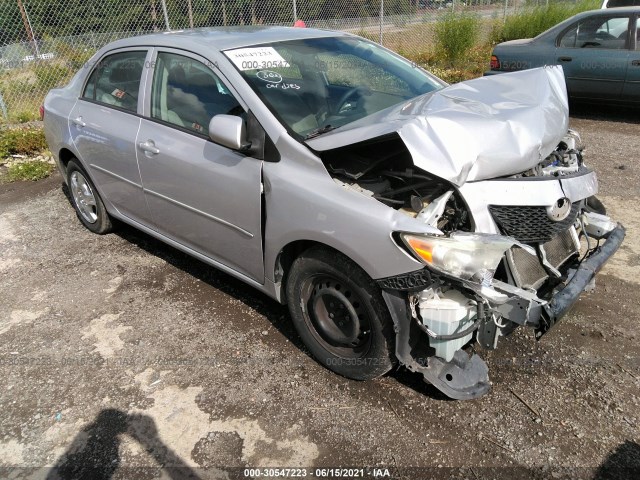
(86, 200)
(340, 315)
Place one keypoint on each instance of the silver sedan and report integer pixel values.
(401, 219)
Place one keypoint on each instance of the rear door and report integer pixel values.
(631, 89)
(594, 54)
(202, 195)
(104, 123)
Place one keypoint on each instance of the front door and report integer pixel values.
(202, 195)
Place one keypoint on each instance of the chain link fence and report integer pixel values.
(43, 42)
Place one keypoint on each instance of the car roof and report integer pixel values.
(553, 31)
(223, 38)
(608, 11)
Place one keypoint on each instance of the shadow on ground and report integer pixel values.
(610, 113)
(621, 464)
(94, 452)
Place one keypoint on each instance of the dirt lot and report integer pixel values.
(121, 354)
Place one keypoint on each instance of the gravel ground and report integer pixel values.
(121, 354)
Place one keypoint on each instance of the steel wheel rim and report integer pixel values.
(336, 316)
(83, 197)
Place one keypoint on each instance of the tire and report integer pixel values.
(595, 205)
(86, 200)
(340, 315)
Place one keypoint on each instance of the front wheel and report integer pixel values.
(86, 200)
(340, 315)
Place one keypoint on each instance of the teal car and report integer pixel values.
(599, 51)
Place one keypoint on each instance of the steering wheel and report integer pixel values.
(348, 94)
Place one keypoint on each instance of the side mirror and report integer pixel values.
(229, 131)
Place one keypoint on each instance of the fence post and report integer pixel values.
(381, 18)
(28, 27)
(166, 15)
(3, 107)
(506, 5)
(190, 7)
(295, 11)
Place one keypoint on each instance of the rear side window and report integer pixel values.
(187, 93)
(116, 80)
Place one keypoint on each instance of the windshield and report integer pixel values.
(316, 85)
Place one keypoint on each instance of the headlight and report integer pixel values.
(464, 255)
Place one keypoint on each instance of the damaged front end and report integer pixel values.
(436, 314)
(539, 256)
(517, 238)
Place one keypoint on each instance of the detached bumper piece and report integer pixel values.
(463, 378)
(581, 277)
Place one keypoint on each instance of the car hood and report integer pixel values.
(475, 130)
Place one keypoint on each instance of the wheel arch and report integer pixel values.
(289, 253)
(65, 156)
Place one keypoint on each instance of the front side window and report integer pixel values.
(115, 80)
(186, 93)
(313, 85)
(598, 32)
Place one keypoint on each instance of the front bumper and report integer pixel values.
(467, 377)
(524, 307)
(563, 300)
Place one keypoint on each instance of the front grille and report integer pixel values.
(529, 224)
(527, 269)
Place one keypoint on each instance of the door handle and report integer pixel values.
(635, 63)
(564, 59)
(149, 147)
(78, 122)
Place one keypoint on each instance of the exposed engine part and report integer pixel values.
(384, 170)
(488, 332)
(434, 211)
(596, 225)
(449, 319)
(566, 159)
(542, 253)
(530, 271)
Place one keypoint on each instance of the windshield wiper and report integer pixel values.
(319, 131)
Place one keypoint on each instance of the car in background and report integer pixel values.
(599, 51)
(620, 3)
(398, 217)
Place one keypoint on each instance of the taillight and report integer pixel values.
(41, 112)
(495, 63)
